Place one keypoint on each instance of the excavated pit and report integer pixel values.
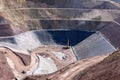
(42, 37)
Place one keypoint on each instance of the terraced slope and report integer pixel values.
(24, 15)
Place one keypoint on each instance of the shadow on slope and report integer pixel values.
(83, 4)
(5, 28)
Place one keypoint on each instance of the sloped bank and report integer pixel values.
(94, 45)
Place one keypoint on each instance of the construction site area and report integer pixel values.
(59, 39)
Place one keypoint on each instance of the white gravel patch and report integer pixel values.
(60, 55)
(43, 66)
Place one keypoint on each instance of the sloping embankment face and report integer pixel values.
(94, 45)
(26, 42)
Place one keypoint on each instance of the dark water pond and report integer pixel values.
(65, 37)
